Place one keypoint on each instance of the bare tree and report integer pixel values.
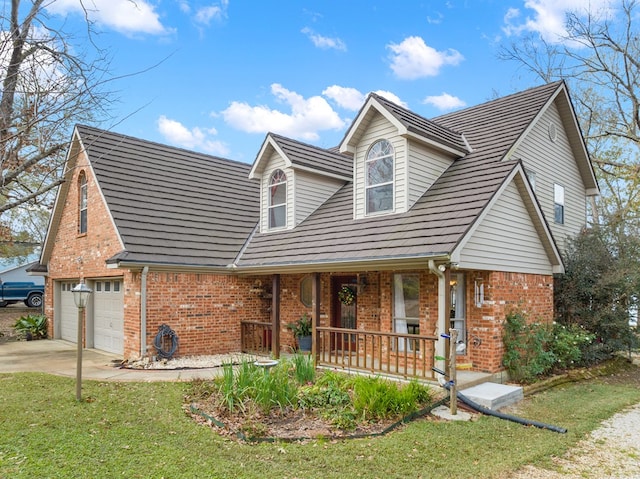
(49, 83)
(600, 59)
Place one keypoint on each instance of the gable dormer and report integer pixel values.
(397, 155)
(295, 179)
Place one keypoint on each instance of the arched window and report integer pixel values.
(379, 177)
(278, 200)
(82, 203)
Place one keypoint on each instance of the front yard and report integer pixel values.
(142, 430)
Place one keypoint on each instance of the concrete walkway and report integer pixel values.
(60, 358)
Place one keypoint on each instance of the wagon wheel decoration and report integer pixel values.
(346, 295)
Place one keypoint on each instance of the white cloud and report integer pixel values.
(444, 102)
(305, 118)
(195, 139)
(348, 98)
(413, 59)
(392, 97)
(204, 15)
(124, 16)
(324, 42)
(548, 18)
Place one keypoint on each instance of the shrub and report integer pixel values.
(32, 326)
(568, 344)
(527, 354)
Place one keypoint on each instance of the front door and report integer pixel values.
(344, 306)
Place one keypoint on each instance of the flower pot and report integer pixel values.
(304, 343)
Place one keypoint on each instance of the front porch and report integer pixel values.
(393, 355)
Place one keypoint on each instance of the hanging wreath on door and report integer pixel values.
(346, 295)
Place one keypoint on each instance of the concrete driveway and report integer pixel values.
(60, 358)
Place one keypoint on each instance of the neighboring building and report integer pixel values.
(19, 274)
(411, 226)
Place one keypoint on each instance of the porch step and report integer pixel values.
(494, 396)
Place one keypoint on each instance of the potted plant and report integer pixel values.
(302, 332)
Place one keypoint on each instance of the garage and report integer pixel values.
(68, 313)
(108, 315)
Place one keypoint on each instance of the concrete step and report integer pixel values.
(493, 395)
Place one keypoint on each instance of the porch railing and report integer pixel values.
(256, 337)
(397, 354)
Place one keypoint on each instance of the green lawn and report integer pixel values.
(140, 430)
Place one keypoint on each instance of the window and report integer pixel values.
(306, 291)
(558, 204)
(406, 308)
(379, 177)
(82, 204)
(278, 200)
(531, 176)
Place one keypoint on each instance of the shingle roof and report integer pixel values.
(437, 222)
(170, 205)
(424, 127)
(315, 158)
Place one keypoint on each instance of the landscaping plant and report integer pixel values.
(32, 326)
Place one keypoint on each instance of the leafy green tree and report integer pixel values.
(599, 290)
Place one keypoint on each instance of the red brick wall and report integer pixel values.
(80, 256)
(204, 310)
(503, 293)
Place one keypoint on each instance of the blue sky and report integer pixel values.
(227, 72)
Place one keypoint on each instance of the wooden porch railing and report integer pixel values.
(397, 354)
(256, 337)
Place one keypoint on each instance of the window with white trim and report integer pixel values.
(531, 176)
(82, 203)
(406, 309)
(558, 204)
(379, 177)
(278, 200)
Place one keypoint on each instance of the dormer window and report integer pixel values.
(278, 200)
(379, 177)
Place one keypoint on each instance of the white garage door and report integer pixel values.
(68, 313)
(108, 315)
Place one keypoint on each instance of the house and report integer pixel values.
(18, 273)
(410, 227)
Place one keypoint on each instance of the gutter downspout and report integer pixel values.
(143, 311)
(442, 319)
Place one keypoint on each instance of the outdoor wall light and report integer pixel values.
(442, 268)
(362, 283)
(81, 294)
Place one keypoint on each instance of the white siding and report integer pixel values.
(380, 128)
(311, 191)
(425, 167)
(553, 162)
(275, 162)
(506, 240)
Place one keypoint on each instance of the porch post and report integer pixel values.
(443, 314)
(275, 316)
(315, 314)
